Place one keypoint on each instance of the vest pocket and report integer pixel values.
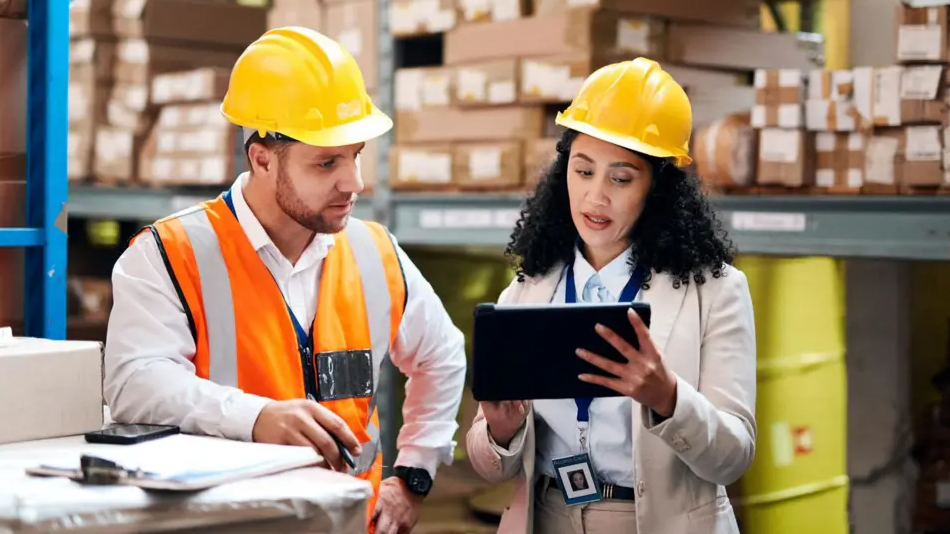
(345, 374)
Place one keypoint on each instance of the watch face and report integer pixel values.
(420, 483)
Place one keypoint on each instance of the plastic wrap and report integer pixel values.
(306, 501)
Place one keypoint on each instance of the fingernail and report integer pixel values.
(359, 450)
(599, 327)
(579, 352)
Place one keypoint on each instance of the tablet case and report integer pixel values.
(527, 352)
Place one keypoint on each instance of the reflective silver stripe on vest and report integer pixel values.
(216, 298)
(218, 306)
(378, 309)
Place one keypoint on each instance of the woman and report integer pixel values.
(616, 217)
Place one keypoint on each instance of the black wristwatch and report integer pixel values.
(417, 480)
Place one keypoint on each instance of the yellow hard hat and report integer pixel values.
(302, 84)
(634, 104)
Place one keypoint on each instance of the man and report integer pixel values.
(266, 313)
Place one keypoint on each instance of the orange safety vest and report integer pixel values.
(245, 335)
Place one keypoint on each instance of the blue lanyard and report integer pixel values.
(303, 336)
(628, 293)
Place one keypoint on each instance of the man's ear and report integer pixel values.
(259, 157)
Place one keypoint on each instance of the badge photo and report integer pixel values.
(576, 480)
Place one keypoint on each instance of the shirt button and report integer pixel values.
(641, 488)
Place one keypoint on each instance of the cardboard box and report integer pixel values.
(742, 13)
(306, 13)
(91, 59)
(423, 88)
(775, 87)
(909, 156)
(13, 44)
(487, 83)
(839, 160)
(116, 154)
(191, 144)
(835, 85)
(190, 23)
(921, 33)
(742, 49)
(424, 166)
(91, 18)
(582, 30)
(355, 25)
(538, 155)
(50, 388)
(408, 18)
(725, 151)
(831, 116)
(493, 10)
(786, 157)
(779, 97)
(190, 86)
(497, 123)
(129, 108)
(495, 165)
(901, 95)
(79, 152)
(555, 78)
(138, 61)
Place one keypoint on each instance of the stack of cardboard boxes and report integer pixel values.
(867, 129)
(118, 48)
(482, 117)
(190, 143)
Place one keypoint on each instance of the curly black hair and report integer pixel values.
(678, 232)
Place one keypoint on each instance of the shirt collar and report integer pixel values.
(319, 246)
(614, 276)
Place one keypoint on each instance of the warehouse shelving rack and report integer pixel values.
(44, 236)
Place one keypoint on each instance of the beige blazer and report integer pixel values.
(706, 335)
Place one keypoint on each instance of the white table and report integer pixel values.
(312, 500)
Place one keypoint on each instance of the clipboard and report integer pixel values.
(177, 463)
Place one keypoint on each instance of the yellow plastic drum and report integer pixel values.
(798, 481)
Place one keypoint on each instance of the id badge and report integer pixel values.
(346, 374)
(576, 479)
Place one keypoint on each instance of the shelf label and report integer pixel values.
(769, 222)
(468, 218)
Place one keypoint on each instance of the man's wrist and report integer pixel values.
(417, 480)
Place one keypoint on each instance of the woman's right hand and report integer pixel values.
(504, 419)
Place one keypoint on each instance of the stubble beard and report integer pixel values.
(289, 201)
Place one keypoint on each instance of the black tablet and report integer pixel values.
(527, 352)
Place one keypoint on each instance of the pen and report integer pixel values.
(345, 454)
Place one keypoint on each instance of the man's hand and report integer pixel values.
(397, 510)
(306, 423)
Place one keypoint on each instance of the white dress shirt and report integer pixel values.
(609, 433)
(150, 377)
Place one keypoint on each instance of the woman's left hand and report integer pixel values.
(644, 377)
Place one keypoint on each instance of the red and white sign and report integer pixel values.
(801, 436)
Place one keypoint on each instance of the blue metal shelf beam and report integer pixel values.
(22, 237)
(46, 184)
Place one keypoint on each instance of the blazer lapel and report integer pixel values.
(665, 305)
